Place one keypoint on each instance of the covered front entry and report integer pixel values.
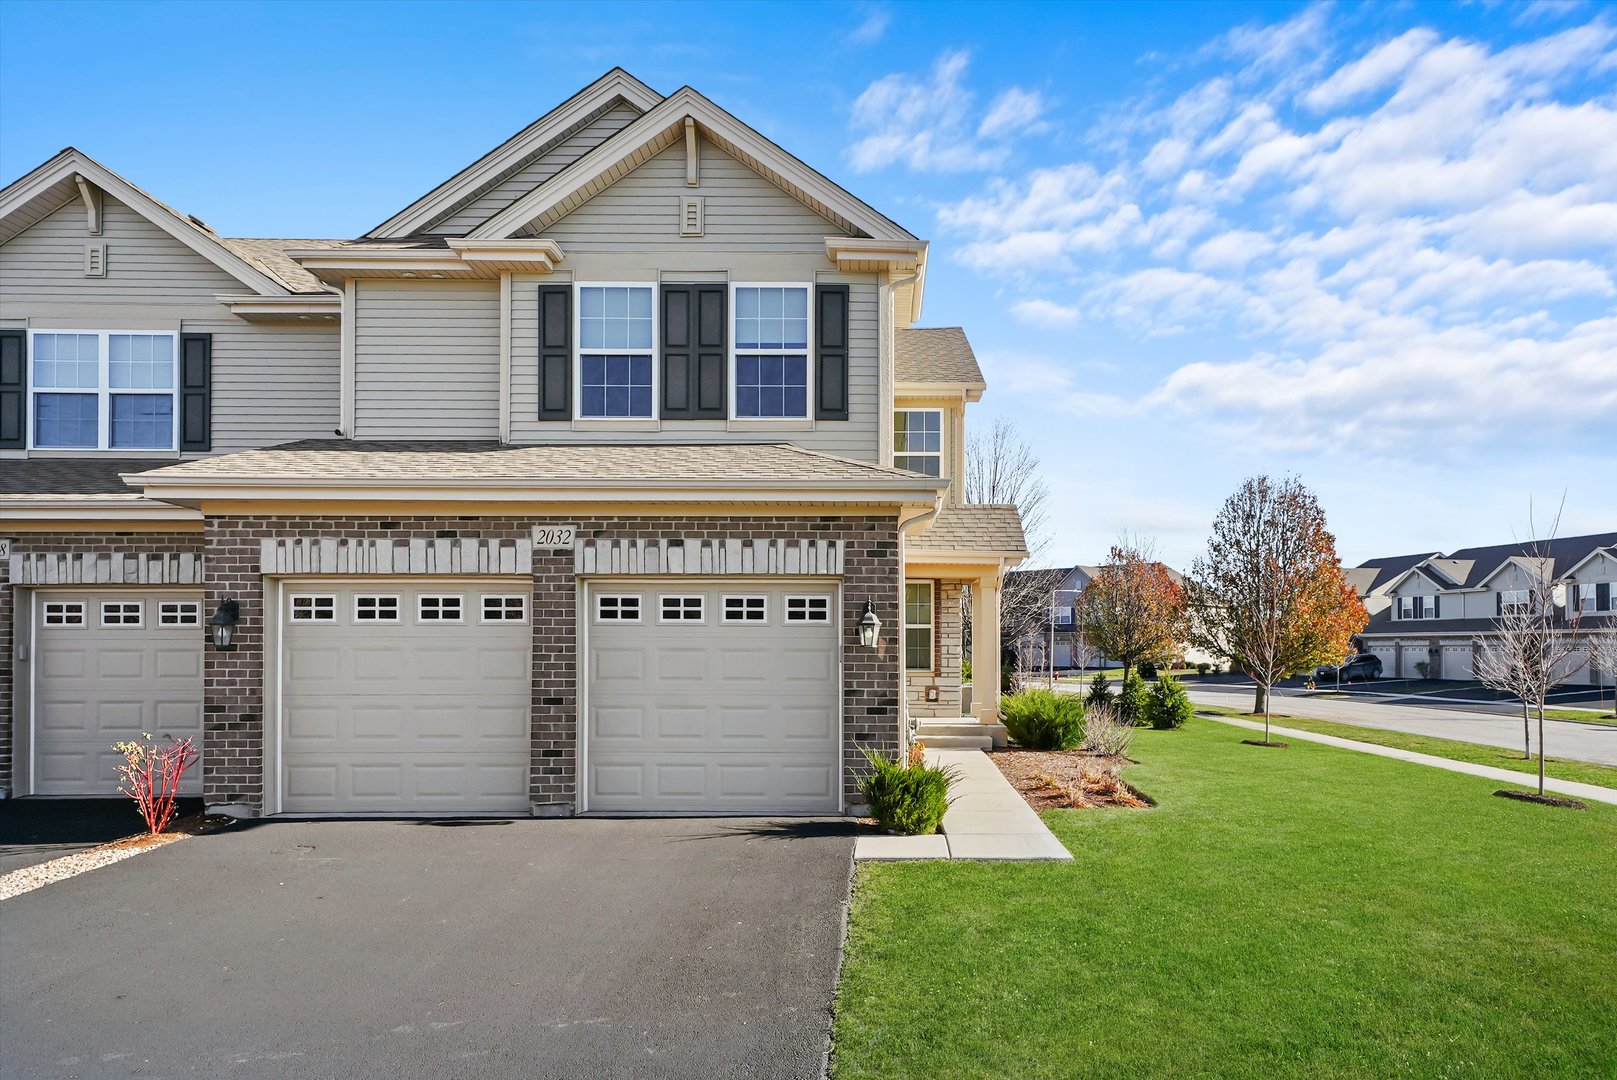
(405, 697)
(109, 664)
(712, 696)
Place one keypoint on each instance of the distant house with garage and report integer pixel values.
(613, 474)
(1440, 610)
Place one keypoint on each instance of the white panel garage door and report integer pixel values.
(109, 665)
(1457, 663)
(405, 697)
(712, 697)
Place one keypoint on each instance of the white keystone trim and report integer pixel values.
(113, 568)
(442, 555)
(694, 555)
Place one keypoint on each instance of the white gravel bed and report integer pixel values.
(39, 875)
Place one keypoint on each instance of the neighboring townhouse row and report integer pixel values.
(1045, 603)
(612, 475)
(1440, 611)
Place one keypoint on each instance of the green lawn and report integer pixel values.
(1309, 912)
(1477, 753)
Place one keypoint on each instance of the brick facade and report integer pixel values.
(85, 544)
(234, 702)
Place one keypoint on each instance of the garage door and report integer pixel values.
(405, 698)
(712, 698)
(109, 665)
(1457, 662)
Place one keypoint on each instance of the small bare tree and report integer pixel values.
(1601, 649)
(1533, 648)
(1001, 467)
(1498, 668)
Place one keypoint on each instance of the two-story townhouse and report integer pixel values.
(611, 475)
(1440, 612)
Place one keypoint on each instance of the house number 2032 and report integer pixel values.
(554, 536)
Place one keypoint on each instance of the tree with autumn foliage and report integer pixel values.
(1269, 594)
(1133, 609)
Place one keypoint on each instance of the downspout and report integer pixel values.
(906, 727)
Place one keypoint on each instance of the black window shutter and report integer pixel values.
(831, 354)
(1437, 607)
(1498, 603)
(196, 391)
(13, 389)
(694, 371)
(1603, 596)
(555, 352)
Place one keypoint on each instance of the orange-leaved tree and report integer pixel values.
(1269, 594)
(1133, 609)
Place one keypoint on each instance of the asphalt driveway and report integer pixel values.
(37, 830)
(599, 948)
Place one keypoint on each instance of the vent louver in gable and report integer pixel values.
(691, 215)
(95, 259)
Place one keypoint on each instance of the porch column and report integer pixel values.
(985, 649)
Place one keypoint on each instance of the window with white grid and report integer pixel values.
(617, 607)
(505, 608)
(746, 609)
(808, 609)
(179, 613)
(677, 608)
(308, 608)
(376, 609)
(64, 613)
(121, 612)
(439, 609)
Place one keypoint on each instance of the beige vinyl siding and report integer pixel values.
(855, 437)
(427, 360)
(744, 212)
(535, 171)
(272, 382)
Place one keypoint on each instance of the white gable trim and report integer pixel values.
(663, 125)
(1597, 553)
(1522, 561)
(70, 164)
(576, 110)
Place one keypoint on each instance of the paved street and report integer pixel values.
(1581, 742)
(641, 948)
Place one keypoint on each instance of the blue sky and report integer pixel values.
(1375, 245)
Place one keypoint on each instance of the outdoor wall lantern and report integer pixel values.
(869, 626)
(223, 624)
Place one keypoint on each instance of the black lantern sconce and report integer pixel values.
(223, 625)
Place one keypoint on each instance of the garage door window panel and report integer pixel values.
(746, 609)
(440, 609)
(505, 609)
(64, 613)
(617, 608)
(179, 613)
(682, 609)
(808, 609)
(307, 608)
(376, 609)
(129, 614)
(918, 625)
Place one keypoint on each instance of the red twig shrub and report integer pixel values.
(151, 775)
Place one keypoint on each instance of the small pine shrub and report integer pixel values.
(1131, 700)
(1040, 719)
(1168, 706)
(1148, 669)
(906, 798)
(1100, 692)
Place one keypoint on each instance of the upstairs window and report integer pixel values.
(1514, 600)
(615, 349)
(1417, 607)
(918, 440)
(102, 390)
(771, 352)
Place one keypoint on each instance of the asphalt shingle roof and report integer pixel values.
(976, 527)
(270, 257)
(75, 477)
(935, 355)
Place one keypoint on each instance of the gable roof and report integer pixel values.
(992, 528)
(661, 127)
(1474, 567)
(938, 354)
(557, 124)
(1609, 552)
(30, 198)
(1378, 575)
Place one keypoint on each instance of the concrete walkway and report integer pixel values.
(1591, 792)
(1575, 741)
(986, 819)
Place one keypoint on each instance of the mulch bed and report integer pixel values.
(1546, 800)
(1067, 779)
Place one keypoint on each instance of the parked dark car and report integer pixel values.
(1361, 666)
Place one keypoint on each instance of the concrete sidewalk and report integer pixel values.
(986, 820)
(1591, 792)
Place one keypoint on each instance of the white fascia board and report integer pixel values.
(58, 508)
(205, 244)
(963, 391)
(900, 254)
(1007, 557)
(670, 113)
(539, 255)
(615, 83)
(293, 304)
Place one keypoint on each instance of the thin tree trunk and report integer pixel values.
(1260, 703)
(1266, 715)
(1541, 747)
(1527, 732)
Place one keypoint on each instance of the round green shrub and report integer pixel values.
(907, 799)
(1131, 700)
(1041, 719)
(1168, 706)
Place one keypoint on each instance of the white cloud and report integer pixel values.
(872, 27)
(1414, 243)
(926, 124)
(1046, 313)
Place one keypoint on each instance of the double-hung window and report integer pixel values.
(918, 625)
(102, 390)
(1417, 607)
(616, 346)
(1514, 600)
(771, 352)
(918, 440)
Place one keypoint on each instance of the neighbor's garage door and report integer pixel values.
(109, 665)
(718, 697)
(405, 698)
(1457, 662)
